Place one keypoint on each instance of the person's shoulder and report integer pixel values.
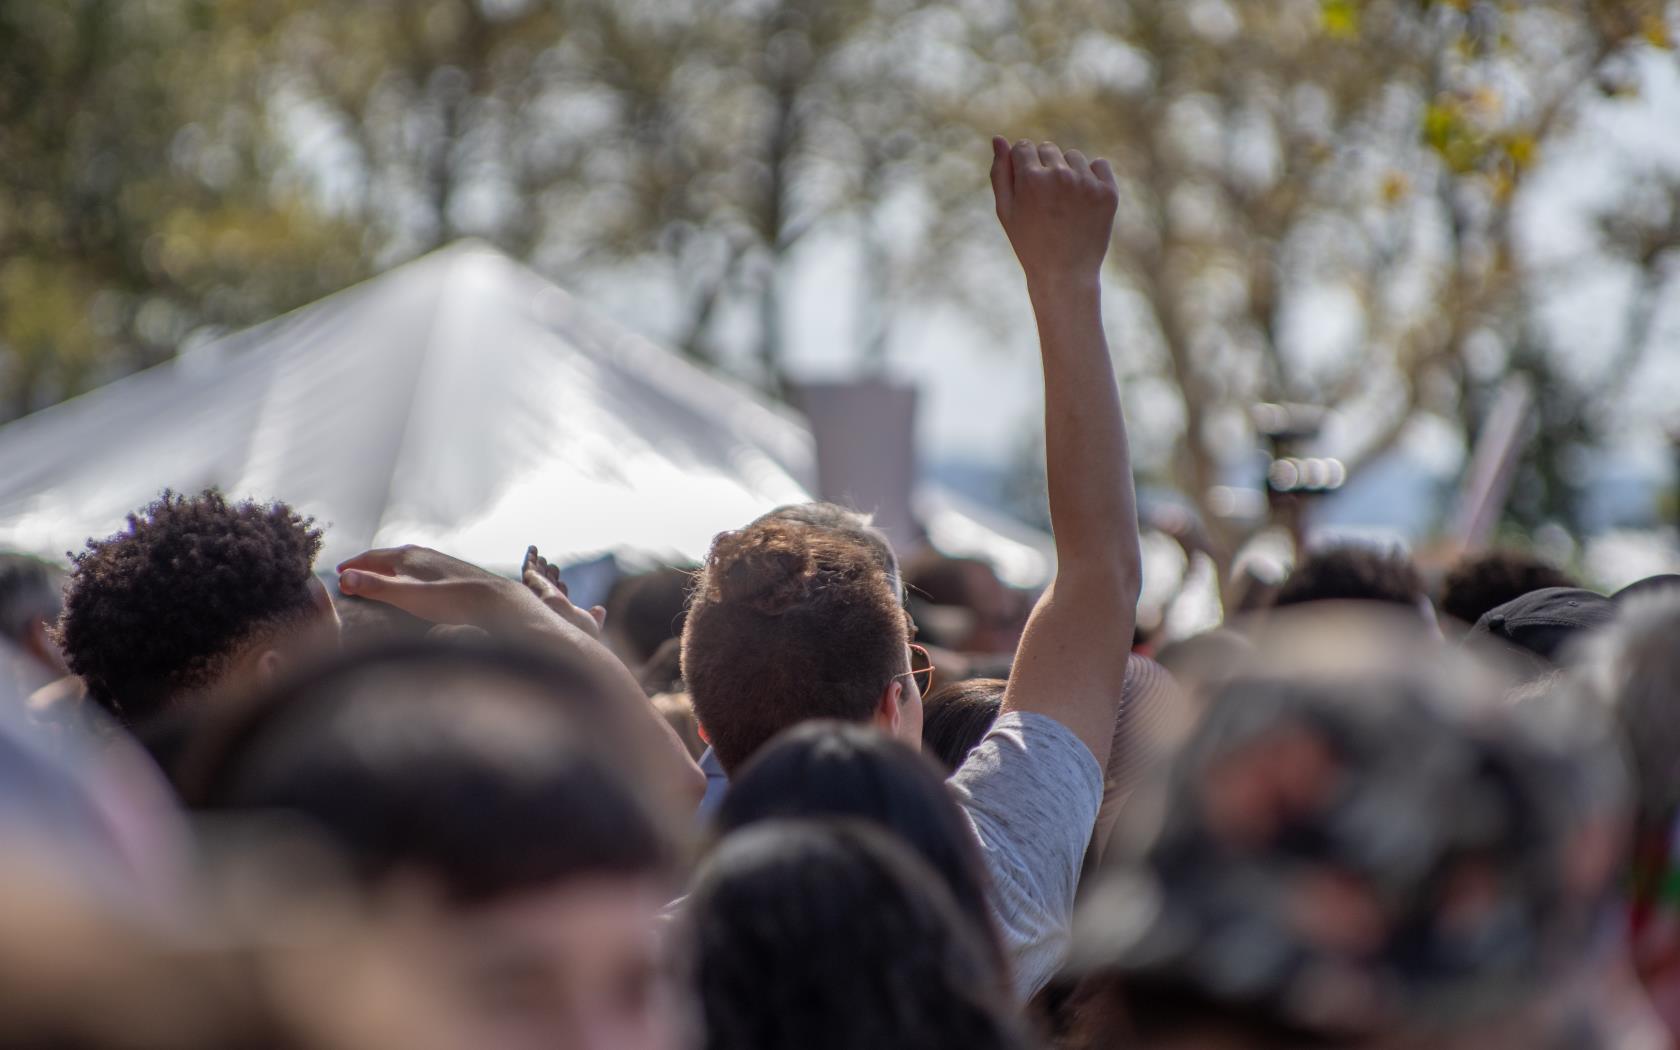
(1024, 749)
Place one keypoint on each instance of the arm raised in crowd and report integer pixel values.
(445, 590)
(1058, 210)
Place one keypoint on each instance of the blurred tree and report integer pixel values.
(135, 206)
(1318, 197)
(704, 142)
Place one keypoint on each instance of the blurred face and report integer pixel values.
(576, 967)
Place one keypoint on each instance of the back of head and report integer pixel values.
(1542, 627)
(831, 935)
(789, 623)
(489, 771)
(364, 622)
(832, 769)
(1480, 583)
(165, 607)
(646, 611)
(1354, 572)
(849, 523)
(1361, 839)
(29, 595)
(956, 716)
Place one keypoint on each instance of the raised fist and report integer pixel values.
(1057, 208)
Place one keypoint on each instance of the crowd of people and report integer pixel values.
(251, 801)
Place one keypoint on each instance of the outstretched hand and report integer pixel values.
(440, 589)
(1057, 208)
(543, 580)
(448, 591)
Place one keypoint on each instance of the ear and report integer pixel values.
(270, 665)
(888, 710)
(705, 737)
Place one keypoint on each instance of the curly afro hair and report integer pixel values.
(1481, 583)
(1354, 572)
(161, 607)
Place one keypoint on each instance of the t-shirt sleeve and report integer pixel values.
(1031, 790)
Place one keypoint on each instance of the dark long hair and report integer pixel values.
(833, 935)
(834, 769)
(957, 716)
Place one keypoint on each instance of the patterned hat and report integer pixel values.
(1346, 847)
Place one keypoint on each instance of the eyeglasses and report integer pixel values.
(921, 669)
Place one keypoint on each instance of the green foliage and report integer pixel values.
(135, 207)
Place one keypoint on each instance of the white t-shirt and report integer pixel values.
(1031, 790)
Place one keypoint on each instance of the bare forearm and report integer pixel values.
(1092, 503)
(1058, 210)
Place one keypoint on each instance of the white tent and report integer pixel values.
(459, 401)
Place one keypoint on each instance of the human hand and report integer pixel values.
(439, 589)
(543, 580)
(1058, 210)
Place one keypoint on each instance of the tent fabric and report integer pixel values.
(460, 401)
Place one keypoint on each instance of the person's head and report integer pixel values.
(965, 597)
(487, 797)
(662, 673)
(793, 622)
(31, 599)
(364, 622)
(1542, 628)
(851, 524)
(835, 935)
(1207, 657)
(1364, 839)
(957, 715)
(196, 595)
(1480, 583)
(1355, 572)
(836, 769)
(646, 611)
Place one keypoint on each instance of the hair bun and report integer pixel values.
(768, 567)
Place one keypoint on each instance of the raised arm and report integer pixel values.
(446, 590)
(1058, 210)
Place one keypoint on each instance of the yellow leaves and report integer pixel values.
(1459, 133)
(1448, 132)
(1340, 19)
(1520, 149)
(1656, 32)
